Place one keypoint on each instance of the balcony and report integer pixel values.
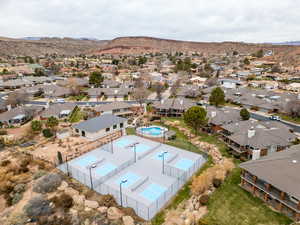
(272, 192)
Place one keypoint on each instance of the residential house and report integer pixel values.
(101, 126)
(173, 107)
(252, 139)
(58, 110)
(275, 179)
(19, 115)
(122, 109)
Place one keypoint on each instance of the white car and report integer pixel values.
(60, 100)
(275, 118)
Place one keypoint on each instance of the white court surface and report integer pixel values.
(147, 186)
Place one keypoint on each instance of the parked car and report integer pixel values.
(60, 100)
(273, 117)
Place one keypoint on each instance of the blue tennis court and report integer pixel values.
(184, 164)
(86, 161)
(130, 177)
(153, 192)
(104, 169)
(142, 148)
(124, 142)
(158, 156)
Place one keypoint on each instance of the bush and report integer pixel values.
(47, 183)
(39, 174)
(3, 132)
(5, 162)
(47, 133)
(19, 188)
(64, 201)
(217, 182)
(204, 199)
(16, 198)
(37, 206)
(36, 126)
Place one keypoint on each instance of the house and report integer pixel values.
(116, 108)
(217, 117)
(253, 139)
(101, 126)
(110, 84)
(190, 91)
(229, 83)
(19, 115)
(110, 94)
(173, 107)
(58, 110)
(275, 179)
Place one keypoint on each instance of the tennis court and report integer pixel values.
(184, 164)
(146, 181)
(153, 192)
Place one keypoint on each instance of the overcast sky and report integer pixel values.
(196, 20)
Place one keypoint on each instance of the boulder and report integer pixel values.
(91, 204)
(127, 220)
(102, 209)
(114, 213)
(70, 191)
(78, 199)
(63, 186)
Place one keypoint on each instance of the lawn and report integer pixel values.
(76, 116)
(289, 118)
(231, 205)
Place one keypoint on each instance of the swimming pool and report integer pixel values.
(130, 177)
(152, 131)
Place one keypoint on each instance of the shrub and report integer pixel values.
(36, 126)
(37, 206)
(19, 188)
(3, 132)
(217, 182)
(39, 174)
(16, 198)
(204, 199)
(64, 201)
(5, 162)
(47, 133)
(47, 183)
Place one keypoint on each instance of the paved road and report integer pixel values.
(84, 103)
(261, 117)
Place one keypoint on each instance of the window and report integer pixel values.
(121, 125)
(107, 129)
(77, 131)
(115, 126)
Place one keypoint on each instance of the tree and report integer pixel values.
(246, 61)
(293, 108)
(36, 126)
(158, 88)
(74, 86)
(174, 88)
(16, 98)
(217, 97)
(244, 113)
(52, 122)
(235, 52)
(96, 78)
(195, 117)
(140, 95)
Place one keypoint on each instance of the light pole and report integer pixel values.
(122, 182)
(67, 165)
(90, 170)
(111, 145)
(163, 160)
(134, 149)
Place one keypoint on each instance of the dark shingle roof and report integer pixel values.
(98, 123)
(281, 169)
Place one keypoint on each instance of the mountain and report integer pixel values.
(295, 43)
(34, 46)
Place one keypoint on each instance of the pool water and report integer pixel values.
(153, 192)
(86, 161)
(154, 131)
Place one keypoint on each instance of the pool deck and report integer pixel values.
(145, 173)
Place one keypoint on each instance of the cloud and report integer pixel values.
(197, 20)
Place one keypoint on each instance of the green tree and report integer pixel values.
(246, 61)
(52, 122)
(217, 97)
(244, 113)
(36, 126)
(96, 78)
(195, 117)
